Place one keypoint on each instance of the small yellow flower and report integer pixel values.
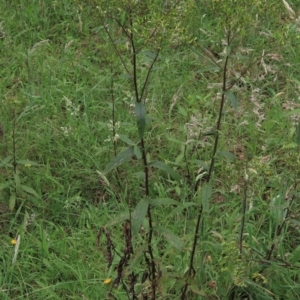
(107, 281)
(13, 242)
(28, 165)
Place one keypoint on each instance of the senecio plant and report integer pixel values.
(144, 45)
(136, 32)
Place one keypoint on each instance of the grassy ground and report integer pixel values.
(74, 214)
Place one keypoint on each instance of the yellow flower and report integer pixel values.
(13, 242)
(107, 281)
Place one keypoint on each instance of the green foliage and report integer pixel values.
(108, 121)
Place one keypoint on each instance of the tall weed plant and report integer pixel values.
(149, 150)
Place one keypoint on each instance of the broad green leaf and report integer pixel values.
(139, 215)
(4, 185)
(164, 201)
(140, 113)
(179, 158)
(206, 195)
(12, 201)
(126, 140)
(17, 180)
(228, 50)
(119, 159)
(137, 152)
(230, 95)
(182, 111)
(162, 166)
(170, 237)
(29, 190)
(295, 257)
(123, 17)
(227, 155)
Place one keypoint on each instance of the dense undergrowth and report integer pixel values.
(149, 149)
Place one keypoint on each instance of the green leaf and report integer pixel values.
(29, 190)
(182, 111)
(162, 166)
(140, 113)
(170, 237)
(120, 159)
(139, 215)
(290, 146)
(227, 155)
(126, 140)
(228, 50)
(12, 201)
(4, 185)
(164, 201)
(179, 158)
(137, 152)
(295, 257)
(206, 195)
(293, 112)
(17, 180)
(230, 95)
